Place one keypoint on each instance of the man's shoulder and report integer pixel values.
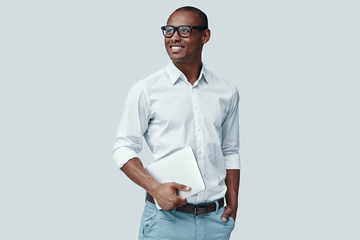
(221, 83)
(145, 85)
(151, 80)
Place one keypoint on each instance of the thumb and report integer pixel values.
(227, 212)
(181, 187)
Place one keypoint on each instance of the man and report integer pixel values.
(182, 105)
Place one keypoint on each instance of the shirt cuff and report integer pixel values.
(123, 155)
(232, 161)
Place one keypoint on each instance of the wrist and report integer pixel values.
(233, 206)
(152, 188)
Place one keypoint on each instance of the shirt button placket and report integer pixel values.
(198, 135)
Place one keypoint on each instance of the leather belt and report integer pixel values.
(193, 209)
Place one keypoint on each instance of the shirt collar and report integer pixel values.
(175, 74)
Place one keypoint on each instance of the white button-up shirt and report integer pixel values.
(171, 114)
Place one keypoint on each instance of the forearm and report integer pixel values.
(134, 169)
(232, 182)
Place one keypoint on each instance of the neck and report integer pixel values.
(190, 70)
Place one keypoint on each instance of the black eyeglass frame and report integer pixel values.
(176, 29)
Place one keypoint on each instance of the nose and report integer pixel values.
(175, 37)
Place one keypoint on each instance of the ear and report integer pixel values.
(206, 36)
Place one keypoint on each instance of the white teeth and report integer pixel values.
(176, 47)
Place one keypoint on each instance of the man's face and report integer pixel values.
(186, 50)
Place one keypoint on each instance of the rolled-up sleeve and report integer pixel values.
(230, 134)
(133, 125)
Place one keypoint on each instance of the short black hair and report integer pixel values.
(201, 14)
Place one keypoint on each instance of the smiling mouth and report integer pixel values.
(176, 47)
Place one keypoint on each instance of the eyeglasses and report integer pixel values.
(183, 30)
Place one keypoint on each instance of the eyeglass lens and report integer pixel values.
(183, 31)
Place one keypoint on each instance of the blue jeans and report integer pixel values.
(172, 225)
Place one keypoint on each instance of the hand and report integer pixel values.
(229, 211)
(166, 195)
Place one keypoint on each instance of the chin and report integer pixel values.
(176, 58)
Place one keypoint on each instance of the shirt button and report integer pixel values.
(196, 108)
(198, 129)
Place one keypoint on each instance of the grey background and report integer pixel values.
(66, 67)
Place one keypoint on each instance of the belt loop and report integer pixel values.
(195, 211)
(217, 205)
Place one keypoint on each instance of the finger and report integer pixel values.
(226, 214)
(181, 201)
(181, 187)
